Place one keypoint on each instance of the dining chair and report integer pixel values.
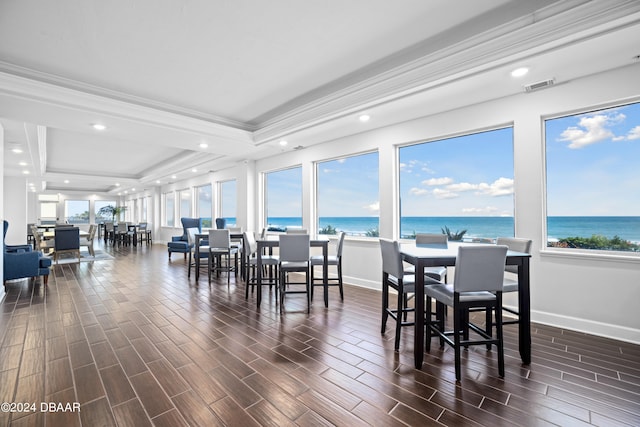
(250, 254)
(220, 252)
(479, 273)
(88, 240)
(318, 260)
(67, 240)
(438, 273)
(510, 283)
(109, 232)
(297, 231)
(395, 276)
(143, 232)
(294, 258)
(203, 250)
(41, 245)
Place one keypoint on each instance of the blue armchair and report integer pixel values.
(22, 261)
(181, 243)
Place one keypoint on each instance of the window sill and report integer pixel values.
(586, 254)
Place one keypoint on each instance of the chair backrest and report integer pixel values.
(431, 238)
(219, 239)
(67, 238)
(37, 238)
(108, 226)
(250, 244)
(123, 227)
(297, 231)
(191, 235)
(92, 232)
(517, 245)
(190, 222)
(340, 244)
(142, 226)
(391, 258)
(234, 229)
(294, 247)
(480, 268)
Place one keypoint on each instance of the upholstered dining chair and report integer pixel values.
(67, 240)
(180, 243)
(437, 273)
(203, 250)
(477, 283)
(297, 231)
(335, 260)
(250, 253)
(88, 240)
(220, 252)
(294, 258)
(21, 261)
(510, 283)
(394, 276)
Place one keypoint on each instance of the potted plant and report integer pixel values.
(113, 211)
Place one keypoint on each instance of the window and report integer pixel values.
(228, 202)
(284, 199)
(144, 209)
(204, 205)
(593, 192)
(104, 216)
(348, 195)
(48, 212)
(76, 211)
(185, 203)
(169, 209)
(460, 186)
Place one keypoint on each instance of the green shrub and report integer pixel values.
(596, 241)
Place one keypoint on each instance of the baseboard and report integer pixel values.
(607, 330)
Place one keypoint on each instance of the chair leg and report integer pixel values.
(400, 308)
(340, 281)
(385, 304)
(499, 334)
(456, 340)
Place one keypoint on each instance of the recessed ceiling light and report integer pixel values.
(158, 181)
(17, 150)
(25, 172)
(66, 181)
(364, 118)
(173, 177)
(519, 72)
(194, 170)
(22, 164)
(283, 142)
(204, 145)
(98, 126)
(117, 184)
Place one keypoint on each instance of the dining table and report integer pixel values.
(431, 255)
(267, 245)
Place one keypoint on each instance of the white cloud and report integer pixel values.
(485, 210)
(462, 186)
(418, 191)
(591, 129)
(373, 207)
(634, 133)
(444, 194)
(437, 181)
(500, 187)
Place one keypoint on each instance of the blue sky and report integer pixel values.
(592, 163)
(470, 175)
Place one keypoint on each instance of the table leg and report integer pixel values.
(325, 273)
(524, 306)
(418, 344)
(259, 276)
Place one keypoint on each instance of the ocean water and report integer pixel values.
(627, 227)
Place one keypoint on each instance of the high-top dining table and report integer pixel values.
(431, 255)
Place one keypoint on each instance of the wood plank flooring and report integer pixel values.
(135, 343)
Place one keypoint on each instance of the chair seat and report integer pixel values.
(438, 273)
(444, 294)
(266, 260)
(409, 284)
(319, 260)
(290, 265)
(178, 246)
(510, 285)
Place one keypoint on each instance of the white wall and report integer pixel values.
(14, 194)
(598, 295)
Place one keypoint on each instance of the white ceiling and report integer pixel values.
(240, 76)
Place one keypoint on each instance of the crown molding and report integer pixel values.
(29, 89)
(552, 27)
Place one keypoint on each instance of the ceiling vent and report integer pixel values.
(539, 85)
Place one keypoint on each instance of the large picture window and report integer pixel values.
(460, 186)
(76, 211)
(347, 195)
(169, 209)
(103, 217)
(185, 203)
(593, 191)
(284, 199)
(204, 205)
(228, 200)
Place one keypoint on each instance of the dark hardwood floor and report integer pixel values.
(134, 343)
